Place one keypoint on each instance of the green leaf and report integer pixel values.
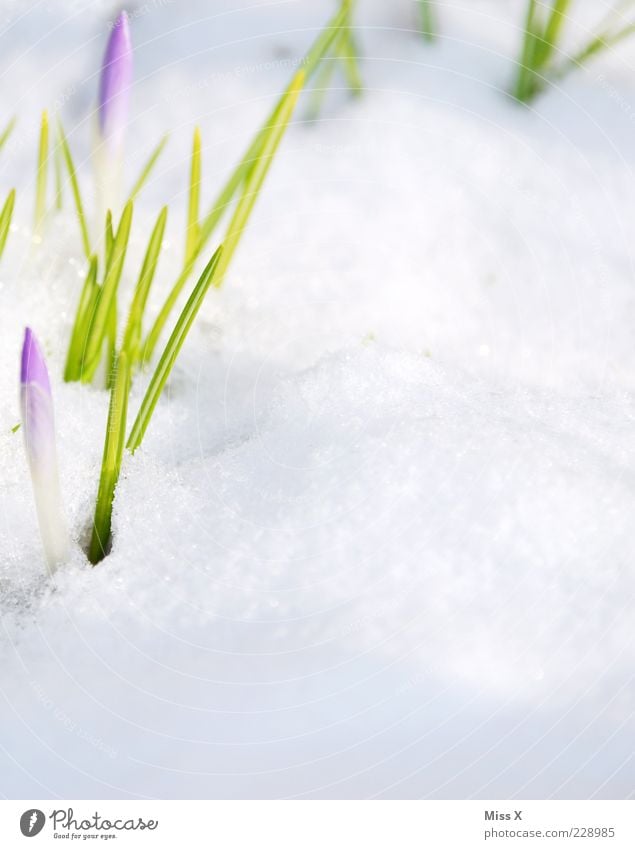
(171, 352)
(541, 44)
(111, 343)
(524, 70)
(111, 461)
(5, 219)
(216, 268)
(596, 45)
(148, 167)
(427, 18)
(109, 238)
(322, 82)
(7, 132)
(83, 319)
(107, 296)
(542, 36)
(319, 49)
(257, 176)
(132, 333)
(348, 53)
(552, 33)
(79, 206)
(325, 39)
(42, 172)
(192, 229)
(58, 162)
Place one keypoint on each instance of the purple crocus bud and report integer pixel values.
(114, 85)
(38, 425)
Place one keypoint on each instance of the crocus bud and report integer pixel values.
(38, 425)
(114, 86)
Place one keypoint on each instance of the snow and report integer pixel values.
(378, 540)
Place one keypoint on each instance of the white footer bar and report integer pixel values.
(318, 824)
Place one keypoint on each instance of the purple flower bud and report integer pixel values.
(115, 83)
(38, 425)
(33, 367)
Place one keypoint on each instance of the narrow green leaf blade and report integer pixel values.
(132, 333)
(348, 53)
(322, 82)
(111, 461)
(107, 295)
(532, 33)
(111, 342)
(58, 162)
(427, 19)
(257, 176)
(83, 318)
(109, 238)
(149, 166)
(319, 49)
(325, 39)
(42, 172)
(193, 211)
(597, 45)
(79, 206)
(217, 266)
(6, 133)
(5, 219)
(310, 64)
(168, 358)
(553, 30)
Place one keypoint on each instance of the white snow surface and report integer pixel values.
(379, 540)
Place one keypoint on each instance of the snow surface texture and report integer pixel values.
(379, 538)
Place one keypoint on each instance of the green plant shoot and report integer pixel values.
(148, 167)
(427, 19)
(6, 133)
(42, 173)
(111, 462)
(132, 334)
(79, 206)
(171, 352)
(317, 52)
(193, 207)
(5, 219)
(106, 297)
